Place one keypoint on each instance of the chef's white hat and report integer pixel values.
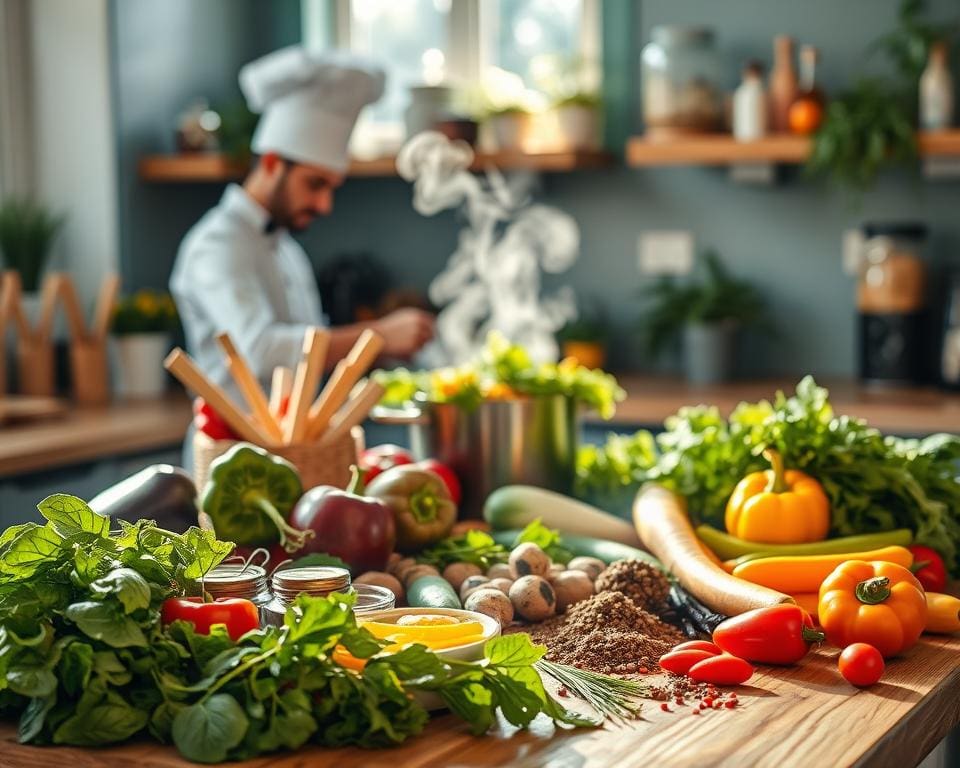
(309, 102)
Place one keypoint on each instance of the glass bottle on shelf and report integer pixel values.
(936, 91)
(783, 83)
(750, 105)
(806, 112)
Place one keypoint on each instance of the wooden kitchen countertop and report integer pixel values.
(897, 410)
(788, 716)
(91, 434)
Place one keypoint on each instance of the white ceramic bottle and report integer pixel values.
(750, 106)
(936, 91)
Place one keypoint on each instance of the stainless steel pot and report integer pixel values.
(530, 440)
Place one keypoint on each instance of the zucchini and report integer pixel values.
(586, 546)
(729, 547)
(516, 506)
(432, 592)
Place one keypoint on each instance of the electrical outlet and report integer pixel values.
(665, 252)
(852, 251)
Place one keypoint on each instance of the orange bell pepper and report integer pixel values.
(778, 506)
(881, 604)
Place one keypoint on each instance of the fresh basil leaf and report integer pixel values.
(12, 532)
(517, 696)
(32, 681)
(102, 621)
(203, 648)
(108, 666)
(472, 702)
(361, 643)
(33, 718)
(103, 724)
(201, 551)
(33, 546)
(287, 731)
(70, 515)
(161, 721)
(412, 663)
(320, 619)
(128, 586)
(548, 539)
(76, 666)
(513, 650)
(227, 660)
(206, 732)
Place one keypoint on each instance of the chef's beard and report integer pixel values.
(282, 212)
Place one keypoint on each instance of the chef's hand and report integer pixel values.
(405, 331)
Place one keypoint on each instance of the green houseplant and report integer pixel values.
(27, 231)
(707, 315)
(585, 339)
(142, 328)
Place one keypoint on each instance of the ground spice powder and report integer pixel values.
(607, 633)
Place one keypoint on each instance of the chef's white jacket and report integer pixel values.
(234, 273)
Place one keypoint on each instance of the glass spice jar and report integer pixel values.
(234, 580)
(320, 581)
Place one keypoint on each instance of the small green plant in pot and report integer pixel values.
(27, 231)
(707, 315)
(585, 339)
(142, 328)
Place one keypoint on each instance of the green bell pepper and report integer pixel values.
(250, 495)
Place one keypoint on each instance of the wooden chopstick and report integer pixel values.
(354, 412)
(104, 309)
(186, 370)
(348, 371)
(280, 387)
(249, 387)
(315, 345)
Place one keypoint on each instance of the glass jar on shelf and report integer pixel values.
(683, 80)
(236, 580)
(320, 581)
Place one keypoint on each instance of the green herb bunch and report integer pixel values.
(27, 231)
(146, 311)
(84, 659)
(719, 297)
(874, 483)
(481, 549)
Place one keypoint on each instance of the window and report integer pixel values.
(495, 51)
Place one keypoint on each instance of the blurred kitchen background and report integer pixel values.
(818, 234)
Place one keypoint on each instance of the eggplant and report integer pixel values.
(161, 492)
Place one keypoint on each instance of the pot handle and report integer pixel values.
(407, 415)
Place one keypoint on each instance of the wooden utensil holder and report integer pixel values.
(317, 465)
(88, 362)
(35, 368)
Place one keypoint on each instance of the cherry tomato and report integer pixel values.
(930, 570)
(721, 670)
(861, 664)
(680, 662)
(381, 458)
(698, 645)
(238, 615)
(448, 476)
(208, 421)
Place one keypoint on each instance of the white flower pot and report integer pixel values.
(509, 131)
(709, 352)
(140, 371)
(579, 126)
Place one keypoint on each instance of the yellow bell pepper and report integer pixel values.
(778, 507)
(943, 613)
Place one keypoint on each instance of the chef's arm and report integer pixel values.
(404, 331)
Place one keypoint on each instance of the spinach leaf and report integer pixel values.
(34, 717)
(76, 666)
(103, 621)
(32, 681)
(32, 547)
(206, 732)
(201, 551)
(103, 724)
(128, 586)
(70, 515)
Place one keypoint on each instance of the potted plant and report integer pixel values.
(27, 231)
(509, 127)
(142, 328)
(707, 315)
(585, 339)
(578, 118)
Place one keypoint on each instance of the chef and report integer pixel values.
(239, 269)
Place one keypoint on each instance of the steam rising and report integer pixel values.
(492, 280)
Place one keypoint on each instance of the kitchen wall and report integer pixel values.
(786, 237)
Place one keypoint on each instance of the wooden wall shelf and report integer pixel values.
(723, 149)
(214, 168)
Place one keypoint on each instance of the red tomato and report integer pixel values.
(446, 474)
(930, 570)
(381, 458)
(721, 670)
(238, 615)
(861, 664)
(208, 421)
(680, 662)
(698, 645)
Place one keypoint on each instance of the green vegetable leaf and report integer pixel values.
(103, 724)
(76, 666)
(202, 551)
(472, 702)
(103, 621)
(32, 547)
(128, 586)
(70, 515)
(320, 620)
(34, 717)
(107, 665)
(513, 650)
(206, 732)
(548, 539)
(161, 721)
(33, 681)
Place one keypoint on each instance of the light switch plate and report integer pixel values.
(665, 252)
(852, 251)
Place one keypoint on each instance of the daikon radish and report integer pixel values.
(662, 523)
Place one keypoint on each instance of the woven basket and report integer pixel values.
(318, 465)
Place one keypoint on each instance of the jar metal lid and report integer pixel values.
(314, 580)
(234, 580)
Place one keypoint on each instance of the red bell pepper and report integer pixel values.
(779, 634)
(238, 615)
(380, 458)
(446, 474)
(929, 569)
(208, 421)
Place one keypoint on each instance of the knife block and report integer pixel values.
(36, 375)
(88, 364)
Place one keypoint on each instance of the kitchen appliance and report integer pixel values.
(950, 346)
(891, 299)
(525, 440)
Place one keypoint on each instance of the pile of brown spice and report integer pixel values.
(643, 583)
(607, 633)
